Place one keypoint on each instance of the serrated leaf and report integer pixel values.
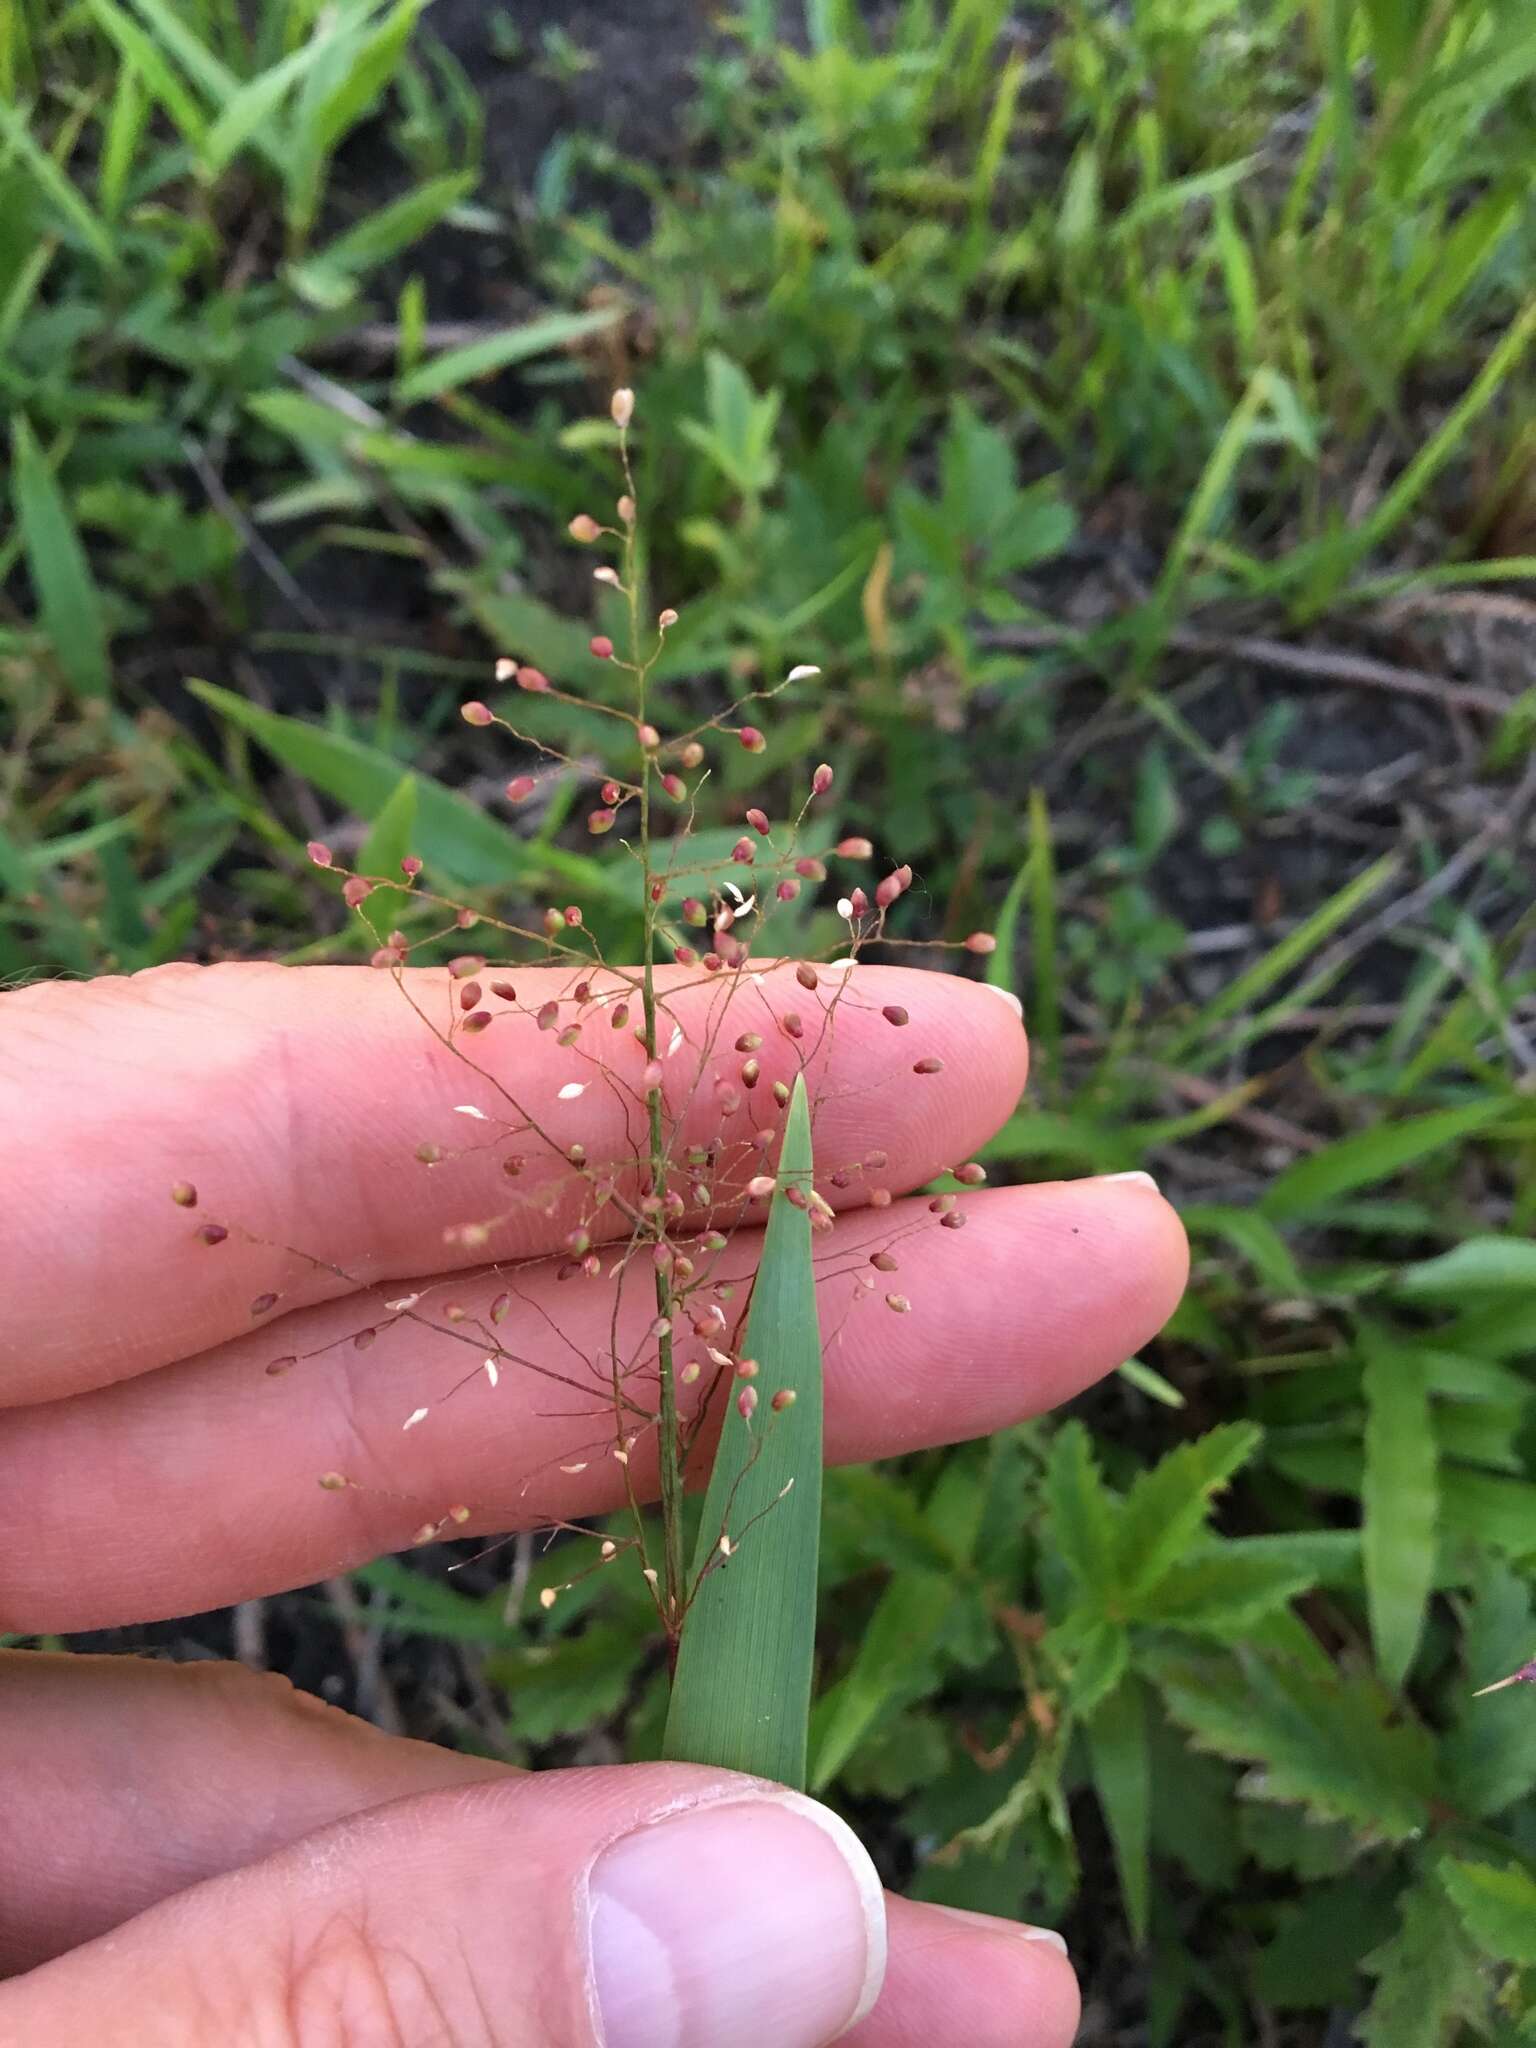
(1323, 1742)
(742, 1692)
(564, 1686)
(1083, 1511)
(1489, 1757)
(1428, 1977)
(1095, 1653)
(1163, 1512)
(1400, 1499)
(1122, 1777)
(67, 600)
(1498, 1908)
(1223, 1590)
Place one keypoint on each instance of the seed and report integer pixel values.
(899, 1303)
(469, 995)
(504, 990)
(319, 853)
(743, 852)
(821, 781)
(883, 1262)
(675, 787)
(599, 822)
(746, 1408)
(410, 867)
(477, 1021)
(465, 964)
(928, 1066)
(212, 1233)
(476, 713)
(955, 1220)
(749, 1041)
(854, 849)
(806, 975)
(601, 646)
(622, 406)
(548, 1016)
(584, 528)
(981, 942)
(971, 1175)
(751, 1073)
(184, 1195)
(691, 755)
(354, 890)
(751, 739)
(263, 1304)
(758, 820)
(532, 679)
(791, 1026)
(893, 1013)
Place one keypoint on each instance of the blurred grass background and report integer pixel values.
(1129, 405)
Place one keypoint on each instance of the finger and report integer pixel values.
(294, 1101)
(235, 1765)
(657, 1906)
(195, 1486)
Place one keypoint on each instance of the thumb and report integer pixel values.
(658, 1906)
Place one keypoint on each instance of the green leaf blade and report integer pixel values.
(742, 1691)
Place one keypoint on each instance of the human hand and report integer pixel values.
(197, 1856)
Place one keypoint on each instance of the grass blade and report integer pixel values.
(476, 359)
(1400, 1499)
(67, 599)
(742, 1694)
(1372, 1155)
(55, 184)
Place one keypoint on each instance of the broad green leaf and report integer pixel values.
(495, 352)
(564, 1686)
(67, 599)
(1373, 1155)
(1400, 1499)
(1320, 1740)
(1094, 1652)
(1429, 1980)
(1163, 1513)
(1498, 1907)
(1490, 1754)
(454, 836)
(1473, 1271)
(391, 836)
(1122, 1777)
(742, 1692)
(1254, 1236)
(1083, 1512)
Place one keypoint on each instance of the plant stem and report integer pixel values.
(674, 1566)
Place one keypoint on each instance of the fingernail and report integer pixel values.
(989, 1923)
(1142, 1179)
(1007, 995)
(726, 1926)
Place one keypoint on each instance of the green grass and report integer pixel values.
(1062, 385)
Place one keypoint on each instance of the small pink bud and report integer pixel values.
(787, 890)
(385, 956)
(466, 919)
(520, 788)
(812, 870)
(712, 963)
(928, 1066)
(454, 1311)
(883, 1262)
(506, 668)
(875, 1161)
(649, 737)
(601, 646)
(354, 890)
(807, 976)
(694, 911)
(692, 755)
(548, 1016)
(858, 903)
(504, 990)
(746, 1403)
(760, 1187)
(685, 956)
(854, 849)
(606, 575)
(899, 1303)
(573, 915)
(781, 1094)
(622, 406)
(791, 1025)
(410, 867)
(821, 781)
(428, 1153)
(749, 1041)
(981, 942)
(743, 852)
(319, 853)
(212, 1233)
(554, 923)
(476, 1021)
(666, 618)
(611, 792)
(464, 964)
(533, 679)
(469, 995)
(476, 713)
(279, 1366)
(675, 787)
(887, 891)
(955, 1220)
(758, 820)
(751, 739)
(893, 1013)
(747, 1369)
(971, 1175)
(601, 821)
(651, 1075)
(584, 528)
(625, 507)
(751, 1073)
(784, 1398)
(184, 1195)
(879, 1198)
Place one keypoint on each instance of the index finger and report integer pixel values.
(316, 1112)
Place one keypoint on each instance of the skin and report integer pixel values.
(149, 1466)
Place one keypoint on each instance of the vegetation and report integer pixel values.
(1129, 408)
